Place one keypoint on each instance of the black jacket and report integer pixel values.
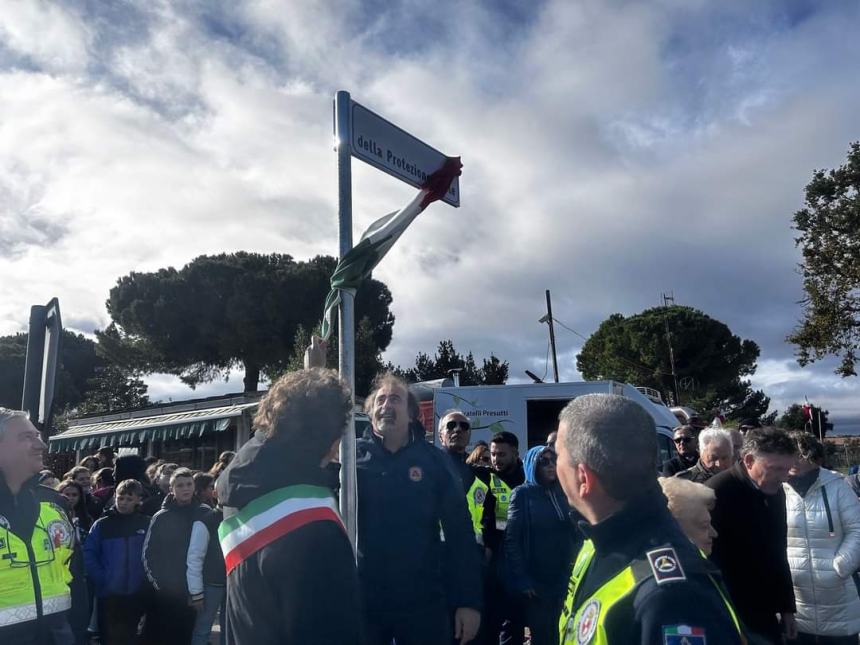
(750, 547)
(642, 526)
(303, 587)
(165, 549)
(153, 501)
(403, 498)
(20, 513)
(697, 473)
(676, 464)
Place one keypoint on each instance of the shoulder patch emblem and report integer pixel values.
(480, 496)
(4, 523)
(587, 624)
(60, 533)
(683, 635)
(416, 474)
(665, 565)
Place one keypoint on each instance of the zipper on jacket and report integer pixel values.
(811, 567)
(827, 510)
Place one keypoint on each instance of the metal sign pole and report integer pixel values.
(346, 316)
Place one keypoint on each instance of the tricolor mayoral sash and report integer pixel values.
(272, 516)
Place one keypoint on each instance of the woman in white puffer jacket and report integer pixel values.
(823, 548)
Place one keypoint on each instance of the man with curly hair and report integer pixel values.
(291, 574)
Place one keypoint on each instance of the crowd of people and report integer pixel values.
(743, 537)
(135, 538)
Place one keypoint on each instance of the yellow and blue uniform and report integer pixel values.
(36, 545)
(638, 580)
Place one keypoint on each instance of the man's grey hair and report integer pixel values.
(7, 415)
(715, 436)
(768, 441)
(440, 427)
(616, 438)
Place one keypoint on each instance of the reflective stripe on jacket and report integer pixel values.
(502, 493)
(34, 577)
(475, 497)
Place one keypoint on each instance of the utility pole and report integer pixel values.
(548, 319)
(670, 298)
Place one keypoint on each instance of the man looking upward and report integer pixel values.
(407, 489)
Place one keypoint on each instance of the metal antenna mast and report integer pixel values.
(669, 298)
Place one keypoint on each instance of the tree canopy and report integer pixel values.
(229, 310)
(86, 382)
(77, 364)
(795, 419)
(493, 370)
(829, 227)
(711, 363)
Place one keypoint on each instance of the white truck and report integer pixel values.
(531, 411)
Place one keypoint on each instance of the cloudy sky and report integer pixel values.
(612, 151)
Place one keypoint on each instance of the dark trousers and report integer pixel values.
(812, 639)
(170, 620)
(119, 617)
(428, 626)
(542, 615)
(503, 622)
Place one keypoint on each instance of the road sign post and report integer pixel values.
(367, 136)
(346, 318)
(40, 367)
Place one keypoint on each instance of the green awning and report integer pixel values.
(132, 431)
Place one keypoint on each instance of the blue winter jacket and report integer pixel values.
(404, 498)
(113, 553)
(541, 538)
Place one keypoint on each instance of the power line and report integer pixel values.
(546, 362)
(630, 363)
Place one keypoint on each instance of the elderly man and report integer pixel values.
(685, 442)
(454, 435)
(407, 490)
(750, 520)
(715, 456)
(37, 542)
(637, 579)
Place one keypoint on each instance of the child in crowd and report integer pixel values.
(113, 556)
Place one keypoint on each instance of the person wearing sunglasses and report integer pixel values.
(688, 455)
(455, 433)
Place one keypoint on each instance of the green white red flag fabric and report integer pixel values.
(272, 516)
(377, 240)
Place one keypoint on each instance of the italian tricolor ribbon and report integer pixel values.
(272, 516)
(377, 240)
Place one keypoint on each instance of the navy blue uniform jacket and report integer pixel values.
(403, 499)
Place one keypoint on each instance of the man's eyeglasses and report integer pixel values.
(682, 439)
(464, 425)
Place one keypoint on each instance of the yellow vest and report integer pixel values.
(502, 493)
(475, 497)
(588, 623)
(34, 578)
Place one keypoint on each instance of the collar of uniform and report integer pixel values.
(614, 531)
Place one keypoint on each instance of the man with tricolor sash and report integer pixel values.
(638, 580)
(291, 574)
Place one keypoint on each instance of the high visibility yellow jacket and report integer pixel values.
(34, 575)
